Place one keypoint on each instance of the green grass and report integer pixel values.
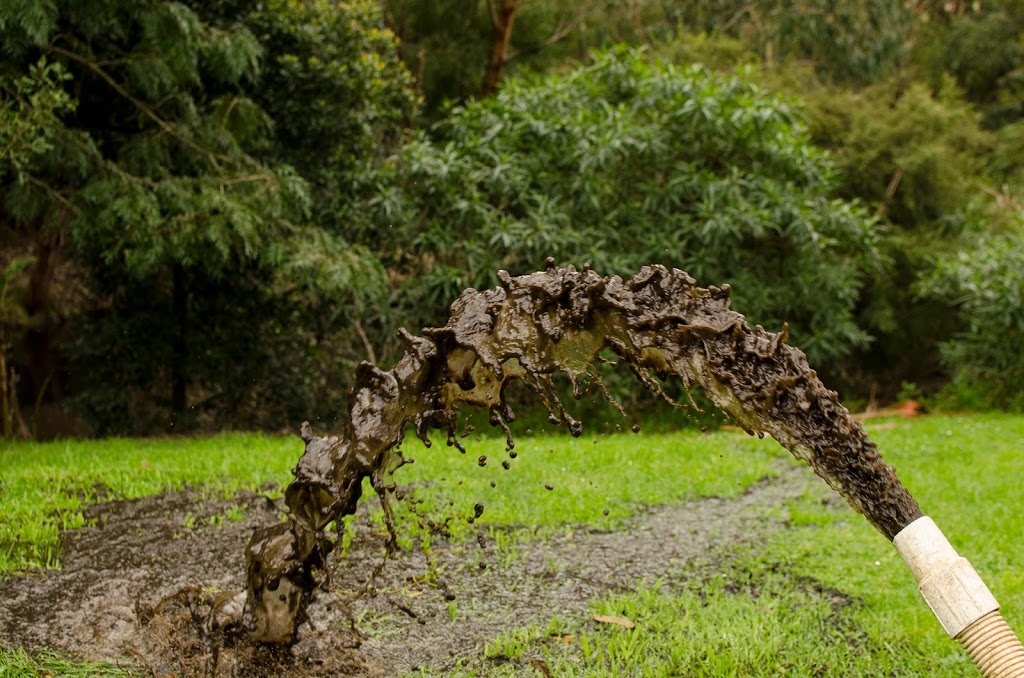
(618, 473)
(829, 595)
(826, 596)
(966, 473)
(743, 624)
(18, 664)
(43, 487)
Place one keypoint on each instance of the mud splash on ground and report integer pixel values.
(532, 328)
(126, 593)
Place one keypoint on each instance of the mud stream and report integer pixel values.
(532, 328)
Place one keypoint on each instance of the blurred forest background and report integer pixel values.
(211, 211)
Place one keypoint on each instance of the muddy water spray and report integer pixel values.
(532, 328)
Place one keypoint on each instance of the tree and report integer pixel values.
(169, 179)
(502, 18)
(451, 44)
(914, 153)
(30, 113)
(624, 163)
(339, 98)
(158, 178)
(979, 44)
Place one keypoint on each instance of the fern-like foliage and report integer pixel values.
(177, 150)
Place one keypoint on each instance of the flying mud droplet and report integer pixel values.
(482, 461)
(635, 428)
(506, 465)
(548, 487)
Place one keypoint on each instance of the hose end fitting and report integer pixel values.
(960, 600)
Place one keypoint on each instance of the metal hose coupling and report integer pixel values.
(960, 600)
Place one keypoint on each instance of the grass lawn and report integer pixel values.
(44, 486)
(828, 596)
(825, 596)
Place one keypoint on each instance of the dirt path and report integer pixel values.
(135, 588)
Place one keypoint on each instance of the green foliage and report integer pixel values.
(31, 20)
(200, 158)
(716, 52)
(918, 158)
(986, 284)
(30, 113)
(168, 161)
(915, 154)
(854, 42)
(447, 42)
(336, 91)
(147, 169)
(915, 151)
(982, 47)
(624, 163)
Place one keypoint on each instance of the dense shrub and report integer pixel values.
(986, 284)
(624, 163)
(914, 153)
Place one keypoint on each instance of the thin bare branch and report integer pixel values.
(145, 108)
(52, 192)
(370, 353)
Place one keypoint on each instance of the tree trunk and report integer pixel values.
(179, 371)
(42, 359)
(502, 19)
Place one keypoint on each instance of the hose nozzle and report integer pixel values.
(960, 600)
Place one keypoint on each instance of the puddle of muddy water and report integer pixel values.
(127, 593)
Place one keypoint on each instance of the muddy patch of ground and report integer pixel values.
(136, 587)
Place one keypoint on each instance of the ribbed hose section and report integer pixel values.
(993, 647)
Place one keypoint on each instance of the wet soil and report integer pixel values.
(136, 588)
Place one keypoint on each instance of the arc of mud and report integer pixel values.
(558, 321)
